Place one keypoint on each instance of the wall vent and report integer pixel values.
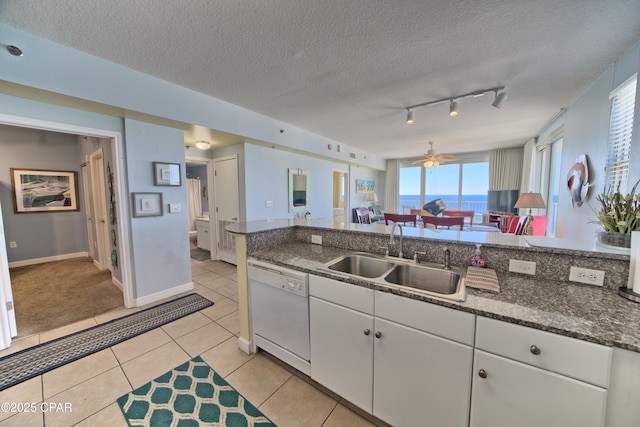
(352, 155)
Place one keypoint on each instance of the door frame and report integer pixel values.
(88, 211)
(122, 207)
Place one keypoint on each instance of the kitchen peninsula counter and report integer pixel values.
(594, 314)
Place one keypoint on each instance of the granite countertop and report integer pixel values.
(585, 312)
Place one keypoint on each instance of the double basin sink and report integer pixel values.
(425, 278)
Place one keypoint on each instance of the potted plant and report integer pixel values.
(619, 215)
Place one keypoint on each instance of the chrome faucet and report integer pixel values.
(391, 237)
(447, 259)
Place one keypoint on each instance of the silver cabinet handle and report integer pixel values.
(367, 331)
(535, 350)
(482, 373)
(378, 334)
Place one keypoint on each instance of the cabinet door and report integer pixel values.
(515, 394)
(203, 239)
(420, 379)
(342, 351)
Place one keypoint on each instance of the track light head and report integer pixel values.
(500, 98)
(453, 108)
(409, 117)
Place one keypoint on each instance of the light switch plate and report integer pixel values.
(174, 208)
(524, 267)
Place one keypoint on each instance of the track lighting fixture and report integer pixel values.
(409, 117)
(500, 98)
(453, 108)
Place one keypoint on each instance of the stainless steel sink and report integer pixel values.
(425, 278)
(361, 265)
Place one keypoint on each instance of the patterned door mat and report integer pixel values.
(192, 394)
(31, 362)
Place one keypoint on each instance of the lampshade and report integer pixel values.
(372, 197)
(530, 201)
(203, 145)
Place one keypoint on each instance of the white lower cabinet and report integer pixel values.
(420, 379)
(341, 351)
(530, 378)
(400, 374)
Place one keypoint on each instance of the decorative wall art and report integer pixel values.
(166, 174)
(38, 190)
(578, 181)
(365, 186)
(146, 204)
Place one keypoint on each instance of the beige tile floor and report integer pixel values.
(84, 392)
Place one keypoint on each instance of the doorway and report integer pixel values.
(119, 231)
(198, 201)
(340, 196)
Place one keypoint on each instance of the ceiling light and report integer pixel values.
(428, 164)
(203, 145)
(453, 108)
(409, 117)
(500, 98)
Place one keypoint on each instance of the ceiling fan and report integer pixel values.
(433, 159)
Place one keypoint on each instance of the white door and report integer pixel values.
(87, 209)
(7, 313)
(100, 209)
(227, 205)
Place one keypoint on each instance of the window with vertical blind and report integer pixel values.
(620, 128)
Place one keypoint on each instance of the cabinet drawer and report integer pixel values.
(567, 356)
(434, 319)
(344, 294)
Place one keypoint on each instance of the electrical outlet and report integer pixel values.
(316, 239)
(268, 203)
(524, 267)
(13, 245)
(585, 275)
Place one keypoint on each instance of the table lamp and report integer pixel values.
(530, 201)
(373, 198)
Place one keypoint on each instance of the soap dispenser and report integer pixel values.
(478, 260)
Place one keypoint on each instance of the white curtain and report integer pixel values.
(194, 201)
(528, 171)
(505, 169)
(392, 186)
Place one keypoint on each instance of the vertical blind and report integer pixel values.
(620, 128)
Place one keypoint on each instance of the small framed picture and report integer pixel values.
(166, 174)
(146, 204)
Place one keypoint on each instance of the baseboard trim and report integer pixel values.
(117, 282)
(246, 346)
(34, 261)
(167, 293)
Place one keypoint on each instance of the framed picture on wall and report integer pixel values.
(166, 174)
(146, 204)
(365, 186)
(41, 190)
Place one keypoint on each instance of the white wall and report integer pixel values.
(586, 131)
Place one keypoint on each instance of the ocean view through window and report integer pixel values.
(461, 185)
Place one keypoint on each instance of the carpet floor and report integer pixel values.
(31, 362)
(47, 296)
(192, 394)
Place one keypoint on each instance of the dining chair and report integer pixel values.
(443, 221)
(464, 214)
(403, 218)
(363, 215)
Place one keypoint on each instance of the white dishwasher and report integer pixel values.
(279, 304)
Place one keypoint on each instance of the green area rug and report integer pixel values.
(192, 394)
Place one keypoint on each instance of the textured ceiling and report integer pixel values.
(347, 69)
